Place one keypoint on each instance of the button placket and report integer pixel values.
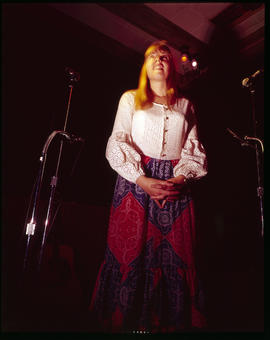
(165, 139)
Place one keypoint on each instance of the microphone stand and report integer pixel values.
(73, 77)
(258, 163)
(30, 228)
(247, 142)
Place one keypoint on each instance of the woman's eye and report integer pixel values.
(164, 58)
(161, 58)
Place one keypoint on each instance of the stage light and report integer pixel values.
(184, 58)
(194, 64)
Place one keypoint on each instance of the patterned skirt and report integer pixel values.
(148, 280)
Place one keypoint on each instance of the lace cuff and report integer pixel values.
(193, 163)
(123, 158)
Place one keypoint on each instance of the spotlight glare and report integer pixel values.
(194, 63)
(184, 58)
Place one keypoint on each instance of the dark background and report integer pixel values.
(37, 44)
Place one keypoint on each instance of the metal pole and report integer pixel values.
(258, 162)
(53, 183)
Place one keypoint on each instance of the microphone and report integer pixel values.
(247, 82)
(71, 138)
(73, 75)
(75, 139)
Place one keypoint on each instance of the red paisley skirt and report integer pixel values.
(148, 280)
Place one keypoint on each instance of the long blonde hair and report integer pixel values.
(144, 95)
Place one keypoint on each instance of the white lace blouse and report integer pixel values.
(156, 132)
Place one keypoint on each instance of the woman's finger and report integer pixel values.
(157, 197)
(158, 204)
(164, 185)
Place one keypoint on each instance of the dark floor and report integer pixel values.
(56, 298)
(234, 305)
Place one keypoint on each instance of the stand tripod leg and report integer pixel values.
(48, 218)
(260, 195)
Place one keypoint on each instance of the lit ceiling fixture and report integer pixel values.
(184, 57)
(194, 63)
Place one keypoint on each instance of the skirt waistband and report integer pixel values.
(145, 159)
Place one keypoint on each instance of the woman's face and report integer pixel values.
(158, 65)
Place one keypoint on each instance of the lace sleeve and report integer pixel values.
(120, 152)
(193, 162)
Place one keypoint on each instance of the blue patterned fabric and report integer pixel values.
(148, 280)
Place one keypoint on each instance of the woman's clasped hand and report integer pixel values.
(162, 191)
